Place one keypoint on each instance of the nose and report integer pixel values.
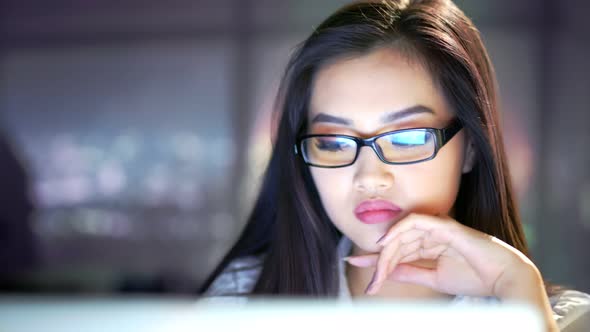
(372, 175)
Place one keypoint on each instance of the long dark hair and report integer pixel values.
(288, 223)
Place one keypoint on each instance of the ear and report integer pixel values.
(469, 160)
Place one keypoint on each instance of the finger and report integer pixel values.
(410, 236)
(390, 255)
(411, 247)
(422, 222)
(381, 273)
(433, 253)
(435, 238)
(362, 261)
(381, 269)
(415, 256)
(387, 234)
(405, 250)
(416, 275)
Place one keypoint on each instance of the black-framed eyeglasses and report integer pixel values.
(399, 147)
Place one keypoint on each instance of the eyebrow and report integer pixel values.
(386, 118)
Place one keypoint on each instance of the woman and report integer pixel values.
(389, 151)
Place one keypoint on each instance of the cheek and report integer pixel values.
(432, 186)
(334, 186)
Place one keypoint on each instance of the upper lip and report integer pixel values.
(376, 205)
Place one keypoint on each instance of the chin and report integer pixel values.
(368, 245)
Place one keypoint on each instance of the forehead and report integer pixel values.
(364, 88)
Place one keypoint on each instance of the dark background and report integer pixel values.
(134, 133)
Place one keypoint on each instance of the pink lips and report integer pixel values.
(376, 211)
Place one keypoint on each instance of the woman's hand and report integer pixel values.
(468, 262)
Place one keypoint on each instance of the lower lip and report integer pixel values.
(377, 216)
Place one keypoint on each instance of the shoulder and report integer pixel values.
(571, 310)
(238, 278)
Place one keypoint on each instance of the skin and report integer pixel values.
(425, 253)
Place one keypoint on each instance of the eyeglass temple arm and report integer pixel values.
(451, 130)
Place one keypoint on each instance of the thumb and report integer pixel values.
(362, 261)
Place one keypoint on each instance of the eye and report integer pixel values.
(332, 144)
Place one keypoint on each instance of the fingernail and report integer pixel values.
(346, 259)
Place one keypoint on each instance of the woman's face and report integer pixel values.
(356, 94)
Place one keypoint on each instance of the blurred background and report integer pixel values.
(133, 134)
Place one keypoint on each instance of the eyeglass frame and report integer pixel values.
(441, 137)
